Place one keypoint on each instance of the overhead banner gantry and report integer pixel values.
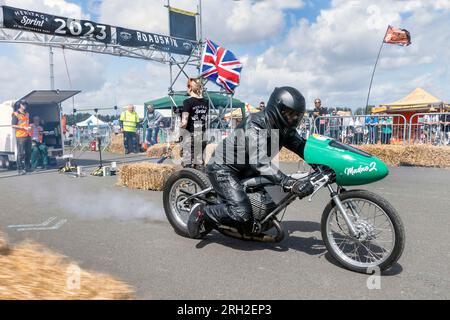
(32, 27)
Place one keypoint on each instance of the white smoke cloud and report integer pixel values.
(79, 198)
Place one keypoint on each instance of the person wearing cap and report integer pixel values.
(21, 123)
(38, 149)
(129, 120)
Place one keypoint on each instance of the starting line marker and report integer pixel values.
(44, 226)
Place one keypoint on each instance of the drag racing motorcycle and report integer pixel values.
(360, 229)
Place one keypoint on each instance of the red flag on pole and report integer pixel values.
(401, 37)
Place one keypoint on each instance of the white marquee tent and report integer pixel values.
(92, 121)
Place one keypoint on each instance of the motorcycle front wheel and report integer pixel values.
(176, 205)
(381, 234)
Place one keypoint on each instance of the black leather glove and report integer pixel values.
(287, 183)
(303, 188)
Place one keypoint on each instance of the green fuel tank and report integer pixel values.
(352, 166)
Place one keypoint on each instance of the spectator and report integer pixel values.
(431, 122)
(21, 123)
(319, 121)
(64, 125)
(335, 125)
(194, 121)
(39, 150)
(129, 120)
(359, 130)
(154, 119)
(350, 131)
(372, 125)
(345, 129)
(386, 129)
(444, 120)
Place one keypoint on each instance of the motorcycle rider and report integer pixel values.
(276, 123)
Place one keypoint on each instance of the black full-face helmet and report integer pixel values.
(286, 107)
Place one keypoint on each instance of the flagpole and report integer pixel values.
(374, 68)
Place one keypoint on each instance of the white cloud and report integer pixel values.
(56, 7)
(26, 67)
(330, 57)
(227, 22)
(333, 56)
(28, 70)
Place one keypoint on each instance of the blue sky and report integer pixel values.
(325, 48)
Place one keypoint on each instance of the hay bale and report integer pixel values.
(389, 154)
(415, 155)
(144, 175)
(395, 155)
(426, 156)
(286, 155)
(175, 152)
(159, 150)
(116, 145)
(4, 246)
(33, 272)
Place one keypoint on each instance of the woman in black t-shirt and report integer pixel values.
(194, 121)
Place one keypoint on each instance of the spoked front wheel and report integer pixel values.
(380, 235)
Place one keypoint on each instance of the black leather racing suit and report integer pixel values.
(233, 162)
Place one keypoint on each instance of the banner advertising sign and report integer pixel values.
(133, 38)
(182, 24)
(14, 18)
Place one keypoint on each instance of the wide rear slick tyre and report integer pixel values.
(393, 217)
(189, 174)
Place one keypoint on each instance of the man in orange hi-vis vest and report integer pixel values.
(39, 150)
(21, 123)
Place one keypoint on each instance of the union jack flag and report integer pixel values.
(221, 66)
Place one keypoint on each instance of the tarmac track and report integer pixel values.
(124, 232)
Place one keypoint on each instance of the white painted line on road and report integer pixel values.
(56, 226)
(43, 224)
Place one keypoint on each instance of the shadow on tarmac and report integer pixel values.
(310, 245)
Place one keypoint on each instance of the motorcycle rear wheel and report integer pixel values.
(367, 253)
(176, 210)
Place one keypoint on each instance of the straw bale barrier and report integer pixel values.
(173, 151)
(30, 271)
(144, 175)
(389, 154)
(396, 155)
(159, 150)
(116, 145)
(426, 156)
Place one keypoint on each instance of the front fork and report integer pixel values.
(335, 196)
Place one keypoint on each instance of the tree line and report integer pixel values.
(81, 116)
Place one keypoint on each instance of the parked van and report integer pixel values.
(43, 103)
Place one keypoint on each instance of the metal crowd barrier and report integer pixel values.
(83, 137)
(423, 128)
(306, 127)
(390, 129)
(430, 128)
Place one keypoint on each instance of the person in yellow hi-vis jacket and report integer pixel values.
(129, 121)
